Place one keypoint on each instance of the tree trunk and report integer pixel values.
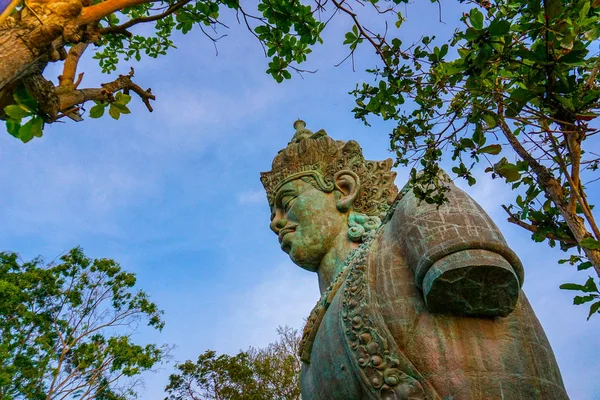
(555, 192)
(36, 35)
(17, 59)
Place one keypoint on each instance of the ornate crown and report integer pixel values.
(319, 156)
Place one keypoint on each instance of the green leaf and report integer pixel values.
(123, 109)
(584, 265)
(590, 243)
(37, 124)
(122, 99)
(513, 108)
(13, 128)
(499, 27)
(476, 18)
(16, 112)
(470, 34)
(114, 111)
(590, 286)
(578, 300)
(584, 10)
(443, 51)
(521, 95)
(97, 111)
(24, 99)
(489, 120)
(350, 38)
(571, 286)
(509, 172)
(26, 132)
(593, 309)
(491, 149)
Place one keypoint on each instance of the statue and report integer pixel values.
(418, 302)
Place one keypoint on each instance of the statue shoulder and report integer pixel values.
(453, 249)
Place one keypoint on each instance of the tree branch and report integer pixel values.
(123, 27)
(575, 190)
(73, 98)
(70, 67)
(98, 11)
(362, 31)
(554, 190)
(513, 219)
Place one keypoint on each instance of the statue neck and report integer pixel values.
(331, 264)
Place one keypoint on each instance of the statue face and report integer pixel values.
(307, 222)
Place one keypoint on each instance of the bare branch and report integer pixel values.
(100, 10)
(123, 27)
(75, 97)
(361, 29)
(513, 219)
(67, 78)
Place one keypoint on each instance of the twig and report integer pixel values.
(123, 27)
(105, 93)
(70, 67)
(360, 28)
(513, 219)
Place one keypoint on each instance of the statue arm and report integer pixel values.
(460, 260)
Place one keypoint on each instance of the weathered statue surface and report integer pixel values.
(418, 302)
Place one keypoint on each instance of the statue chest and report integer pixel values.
(329, 374)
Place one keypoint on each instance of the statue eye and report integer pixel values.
(286, 202)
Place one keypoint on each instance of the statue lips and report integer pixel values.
(284, 232)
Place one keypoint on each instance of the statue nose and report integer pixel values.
(278, 224)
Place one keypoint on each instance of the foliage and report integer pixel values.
(115, 108)
(25, 108)
(592, 294)
(66, 329)
(515, 89)
(285, 28)
(260, 374)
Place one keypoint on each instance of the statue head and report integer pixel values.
(322, 191)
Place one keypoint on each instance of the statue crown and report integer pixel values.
(320, 157)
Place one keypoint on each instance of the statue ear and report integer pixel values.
(348, 184)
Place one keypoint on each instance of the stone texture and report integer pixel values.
(424, 305)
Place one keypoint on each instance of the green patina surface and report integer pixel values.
(426, 305)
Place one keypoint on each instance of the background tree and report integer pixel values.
(261, 374)
(40, 32)
(515, 88)
(66, 329)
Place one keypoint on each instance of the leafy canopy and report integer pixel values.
(66, 329)
(515, 90)
(269, 373)
(286, 30)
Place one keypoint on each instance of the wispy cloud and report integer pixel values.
(55, 189)
(284, 297)
(252, 197)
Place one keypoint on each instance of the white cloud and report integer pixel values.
(57, 190)
(284, 297)
(251, 197)
(182, 107)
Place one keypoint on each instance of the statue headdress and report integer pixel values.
(320, 157)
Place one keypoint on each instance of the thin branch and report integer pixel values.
(513, 219)
(360, 28)
(575, 191)
(100, 10)
(123, 82)
(70, 67)
(123, 27)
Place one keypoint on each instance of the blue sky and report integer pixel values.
(175, 196)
